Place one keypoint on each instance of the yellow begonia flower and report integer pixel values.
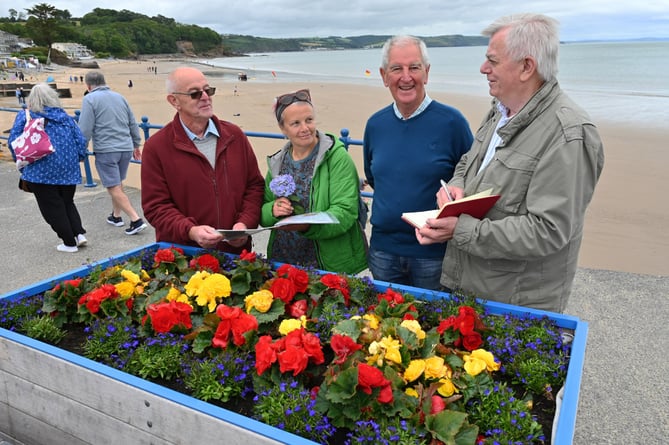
(489, 359)
(435, 368)
(414, 370)
(125, 289)
(130, 276)
(411, 392)
(145, 276)
(414, 327)
(375, 350)
(173, 294)
(478, 361)
(392, 348)
(260, 300)
(372, 319)
(288, 326)
(195, 282)
(447, 388)
(212, 287)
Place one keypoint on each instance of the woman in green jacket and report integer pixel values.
(326, 180)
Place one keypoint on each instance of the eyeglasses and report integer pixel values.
(196, 95)
(297, 96)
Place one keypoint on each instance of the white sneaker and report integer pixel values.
(68, 249)
(81, 240)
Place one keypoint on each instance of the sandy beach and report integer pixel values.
(627, 221)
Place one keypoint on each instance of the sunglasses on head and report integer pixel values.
(297, 96)
(196, 95)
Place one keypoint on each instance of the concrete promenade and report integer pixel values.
(625, 383)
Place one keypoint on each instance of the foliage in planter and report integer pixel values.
(317, 353)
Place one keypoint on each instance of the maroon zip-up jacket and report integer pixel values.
(180, 189)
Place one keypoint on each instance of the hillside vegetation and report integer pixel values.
(124, 33)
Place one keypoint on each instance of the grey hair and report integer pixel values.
(534, 35)
(42, 95)
(95, 79)
(403, 40)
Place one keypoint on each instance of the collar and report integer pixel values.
(423, 105)
(211, 129)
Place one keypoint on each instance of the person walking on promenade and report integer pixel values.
(107, 120)
(408, 147)
(53, 179)
(325, 180)
(199, 173)
(542, 154)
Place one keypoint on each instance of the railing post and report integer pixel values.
(145, 127)
(88, 173)
(88, 181)
(344, 137)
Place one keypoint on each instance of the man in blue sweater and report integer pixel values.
(409, 146)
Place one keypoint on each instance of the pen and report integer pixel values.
(448, 194)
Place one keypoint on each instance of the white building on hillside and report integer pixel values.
(74, 51)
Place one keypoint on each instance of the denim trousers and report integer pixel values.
(418, 272)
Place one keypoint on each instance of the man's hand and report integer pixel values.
(437, 230)
(238, 242)
(206, 236)
(456, 193)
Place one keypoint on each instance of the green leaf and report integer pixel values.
(344, 388)
(240, 282)
(350, 328)
(446, 425)
(202, 341)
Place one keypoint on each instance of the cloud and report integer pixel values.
(580, 19)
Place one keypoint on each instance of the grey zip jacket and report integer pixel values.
(525, 250)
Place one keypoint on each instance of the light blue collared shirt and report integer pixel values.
(211, 128)
(423, 105)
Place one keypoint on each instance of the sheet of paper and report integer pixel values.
(304, 218)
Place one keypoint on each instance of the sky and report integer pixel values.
(579, 19)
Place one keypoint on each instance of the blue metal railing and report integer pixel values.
(146, 128)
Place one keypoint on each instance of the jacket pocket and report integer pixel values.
(514, 170)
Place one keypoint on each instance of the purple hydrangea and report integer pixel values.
(282, 186)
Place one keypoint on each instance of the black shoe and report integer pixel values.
(135, 227)
(115, 220)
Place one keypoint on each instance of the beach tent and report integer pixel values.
(50, 79)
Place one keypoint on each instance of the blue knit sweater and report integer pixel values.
(404, 161)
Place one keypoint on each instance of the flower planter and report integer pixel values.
(50, 395)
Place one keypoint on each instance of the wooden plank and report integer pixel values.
(84, 403)
(64, 421)
(21, 428)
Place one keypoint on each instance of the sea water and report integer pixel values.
(623, 82)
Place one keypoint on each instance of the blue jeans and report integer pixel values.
(417, 272)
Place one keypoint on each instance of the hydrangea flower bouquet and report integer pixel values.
(283, 186)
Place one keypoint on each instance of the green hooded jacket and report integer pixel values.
(340, 248)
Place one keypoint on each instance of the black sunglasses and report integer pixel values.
(284, 100)
(196, 95)
(297, 96)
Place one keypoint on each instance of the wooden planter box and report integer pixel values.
(48, 395)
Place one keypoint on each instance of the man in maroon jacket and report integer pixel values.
(199, 173)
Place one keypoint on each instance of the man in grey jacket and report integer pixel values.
(107, 119)
(542, 154)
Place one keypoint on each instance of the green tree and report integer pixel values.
(45, 23)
